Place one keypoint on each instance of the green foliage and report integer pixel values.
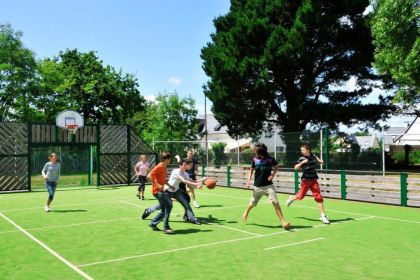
(17, 76)
(169, 118)
(31, 90)
(283, 62)
(218, 150)
(396, 32)
(399, 157)
(80, 81)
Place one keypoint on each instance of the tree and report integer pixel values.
(169, 118)
(218, 150)
(285, 63)
(17, 76)
(396, 33)
(79, 81)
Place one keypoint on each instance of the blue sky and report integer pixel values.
(159, 41)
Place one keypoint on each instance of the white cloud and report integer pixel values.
(150, 98)
(174, 81)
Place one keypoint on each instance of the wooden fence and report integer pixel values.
(397, 189)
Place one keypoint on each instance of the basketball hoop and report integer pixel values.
(72, 128)
(70, 120)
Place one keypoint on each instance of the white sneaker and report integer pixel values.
(324, 219)
(196, 205)
(47, 209)
(289, 201)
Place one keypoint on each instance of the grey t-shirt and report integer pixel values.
(52, 171)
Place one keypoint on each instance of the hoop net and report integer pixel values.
(72, 128)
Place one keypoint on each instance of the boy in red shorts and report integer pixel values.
(307, 163)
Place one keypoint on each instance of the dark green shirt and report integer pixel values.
(308, 169)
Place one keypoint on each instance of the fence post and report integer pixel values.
(403, 182)
(29, 151)
(203, 171)
(296, 181)
(98, 155)
(343, 184)
(327, 149)
(128, 129)
(228, 175)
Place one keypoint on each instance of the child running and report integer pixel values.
(307, 163)
(158, 178)
(262, 163)
(51, 173)
(141, 169)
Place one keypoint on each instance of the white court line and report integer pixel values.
(335, 211)
(74, 224)
(64, 205)
(292, 244)
(105, 221)
(231, 228)
(140, 206)
(51, 251)
(207, 244)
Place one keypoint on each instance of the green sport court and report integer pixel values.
(96, 233)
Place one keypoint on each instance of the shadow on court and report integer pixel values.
(211, 219)
(331, 220)
(69, 211)
(107, 188)
(190, 230)
(211, 206)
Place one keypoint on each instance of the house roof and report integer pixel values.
(213, 126)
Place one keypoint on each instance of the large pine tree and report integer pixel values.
(285, 63)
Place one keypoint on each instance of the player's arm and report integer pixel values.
(135, 169)
(299, 165)
(320, 161)
(248, 182)
(275, 169)
(44, 171)
(190, 183)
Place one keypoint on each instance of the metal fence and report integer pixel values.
(95, 155)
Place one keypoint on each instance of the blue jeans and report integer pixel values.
(165, 204)
(180, 197)
(51, 186)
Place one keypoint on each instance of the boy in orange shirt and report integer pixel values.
(158, 178)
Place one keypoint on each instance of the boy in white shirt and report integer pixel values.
(179, 175)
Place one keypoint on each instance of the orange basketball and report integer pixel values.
(210, 183)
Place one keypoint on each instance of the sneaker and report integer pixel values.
(289, 201)
(47, 209)
(145, 214)
(196, 205)
(154, 228)
(168, 231)
(197, 222)
(138, 196)
(324, 219)
(142, 198)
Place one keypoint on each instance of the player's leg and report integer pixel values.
(257, 193)
(316, 191)
(150, 210)
(139, 188)
(142, 186)
(304, 187)
(272, 196)
(180, 197)
(192, 194)
(51, 186)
